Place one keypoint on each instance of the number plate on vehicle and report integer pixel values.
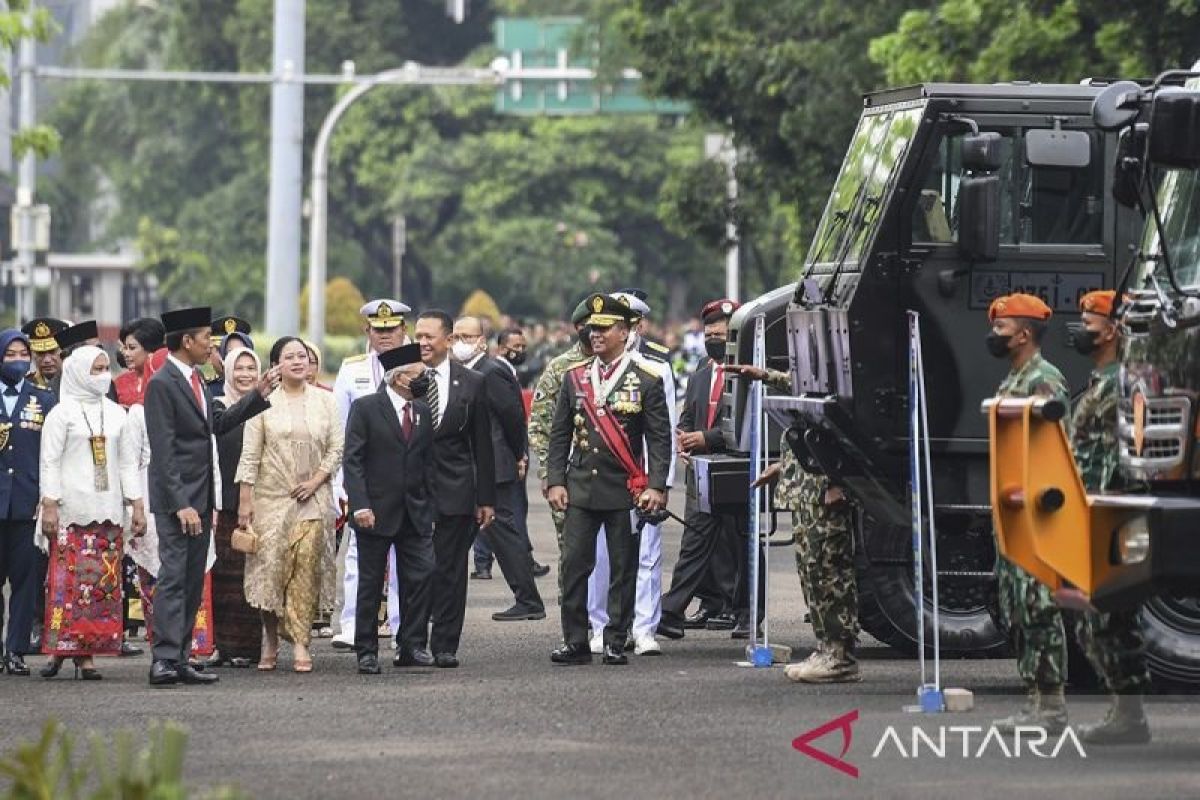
(1059, 290)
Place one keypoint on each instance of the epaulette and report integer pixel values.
(662, 348)
(646, 368)
(654, 350)
(354, 359)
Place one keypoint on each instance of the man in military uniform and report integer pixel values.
(648, 608)
(47, 354)
(358, 376)
(1035, 624)
(1112, 641)
(823, 527)
(541, 413)
(610, 419)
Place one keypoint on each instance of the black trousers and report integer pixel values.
(579, 559)
(708, 561)
(24, 568)
(511, 549)
(452, 539)
(483, 546)
(414, 568)
(180, 586)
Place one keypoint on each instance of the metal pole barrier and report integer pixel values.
(758, 654)
(933, 564)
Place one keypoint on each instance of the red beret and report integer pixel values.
(1019, 305)
(716, 310)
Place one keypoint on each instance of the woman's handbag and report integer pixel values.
(244, 540)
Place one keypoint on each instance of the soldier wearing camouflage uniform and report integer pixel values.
(1034, 622)
(1112, 641)
(545, 397)
(823, 526)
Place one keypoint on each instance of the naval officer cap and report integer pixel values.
(633, 302)
(42, 332)
(384, 313)
(400, 356)
(606, 311)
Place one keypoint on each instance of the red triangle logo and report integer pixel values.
(803, 743)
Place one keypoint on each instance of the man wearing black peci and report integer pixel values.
(464, 483)
(389, 485)
(610, 408)
(181, 421)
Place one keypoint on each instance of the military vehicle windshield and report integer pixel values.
(1179, 202)
(868, 174)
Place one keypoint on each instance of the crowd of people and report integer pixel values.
(256, 506)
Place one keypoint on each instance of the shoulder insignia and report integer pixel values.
(657, 347)
(648, 370)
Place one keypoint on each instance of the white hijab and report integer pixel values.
(232, 395)
(76, 373)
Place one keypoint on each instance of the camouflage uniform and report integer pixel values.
(824, 546)
(1035, 624)
(541, 414)
(1113, 642)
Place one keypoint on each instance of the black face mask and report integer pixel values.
(1084, 340)
(585, 337)
(419, 386)
(515, 357)
(715, 349)
(997, 345)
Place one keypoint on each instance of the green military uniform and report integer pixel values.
(1113, 642)
(596, 482)
(1035, 624)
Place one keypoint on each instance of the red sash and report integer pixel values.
(613, 436)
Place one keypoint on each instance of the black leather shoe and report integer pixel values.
(412, 658)
(615, 654)
(539, 570)
(191, 675)
(481, 575)
(163, 673)
(742, 630)
(51, 669)
(368, 665)
(572, 654)
(670, 628)
(721, 622)
(14, 664)
(90, 674)
(129, 649)
(517, 613)
(445, 660)
(699, 619)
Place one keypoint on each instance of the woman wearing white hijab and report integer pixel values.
(88, 473)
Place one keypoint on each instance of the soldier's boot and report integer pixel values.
(836, 664)
(1026, 717)
(1052, 709)
(794, 671)
(1125, 723)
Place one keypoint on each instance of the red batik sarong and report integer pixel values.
(83, 591)
(202, 632)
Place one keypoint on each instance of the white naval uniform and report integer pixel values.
(648, 608)
(359, 376)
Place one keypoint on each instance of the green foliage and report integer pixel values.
(342, 303)
(47, 769)
(480, 304)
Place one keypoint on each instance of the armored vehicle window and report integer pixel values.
(1053, 205)
(1179, 204)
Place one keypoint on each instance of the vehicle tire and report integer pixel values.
(1171, 627)
(887, 601)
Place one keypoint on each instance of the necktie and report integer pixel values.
(11, 392)
(431, 397)
(406, 422)
(714, 396)
(196, 390)
(9, 400)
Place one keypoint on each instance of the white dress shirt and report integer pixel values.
(186, 370)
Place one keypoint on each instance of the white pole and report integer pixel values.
(914, 463)
(733, 253)
(754, 529)
(287, 171)
(933, 566)
(26, 176)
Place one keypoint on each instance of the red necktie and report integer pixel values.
(406, 422)
(197, 390)
(714, 396)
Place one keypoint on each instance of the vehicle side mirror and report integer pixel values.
(981, 152)
(979, 217)
(1175, 129)
(1057, 148)
(1128, 173)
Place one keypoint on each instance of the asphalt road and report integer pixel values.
(689, 724)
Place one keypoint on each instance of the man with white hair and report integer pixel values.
(648, 609)
(361, 375)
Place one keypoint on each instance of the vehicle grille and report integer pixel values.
(1164, 439)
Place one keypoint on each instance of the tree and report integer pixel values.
(343, 301)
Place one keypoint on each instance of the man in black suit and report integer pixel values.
(181, 421)
(611, 408)
(464, 483)
(506, 410)
(709, 550)
(389, 486)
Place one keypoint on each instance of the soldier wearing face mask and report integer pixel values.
(1035, 624)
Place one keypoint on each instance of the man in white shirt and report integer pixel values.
(358, 376)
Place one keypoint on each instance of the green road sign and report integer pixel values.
(544, 43)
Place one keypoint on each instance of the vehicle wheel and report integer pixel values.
(1171, 626)
(887, 600)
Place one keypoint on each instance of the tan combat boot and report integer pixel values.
(1125, 723)
(1052, 709)
(1024, 718)
(836, 664)
(794, 671)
